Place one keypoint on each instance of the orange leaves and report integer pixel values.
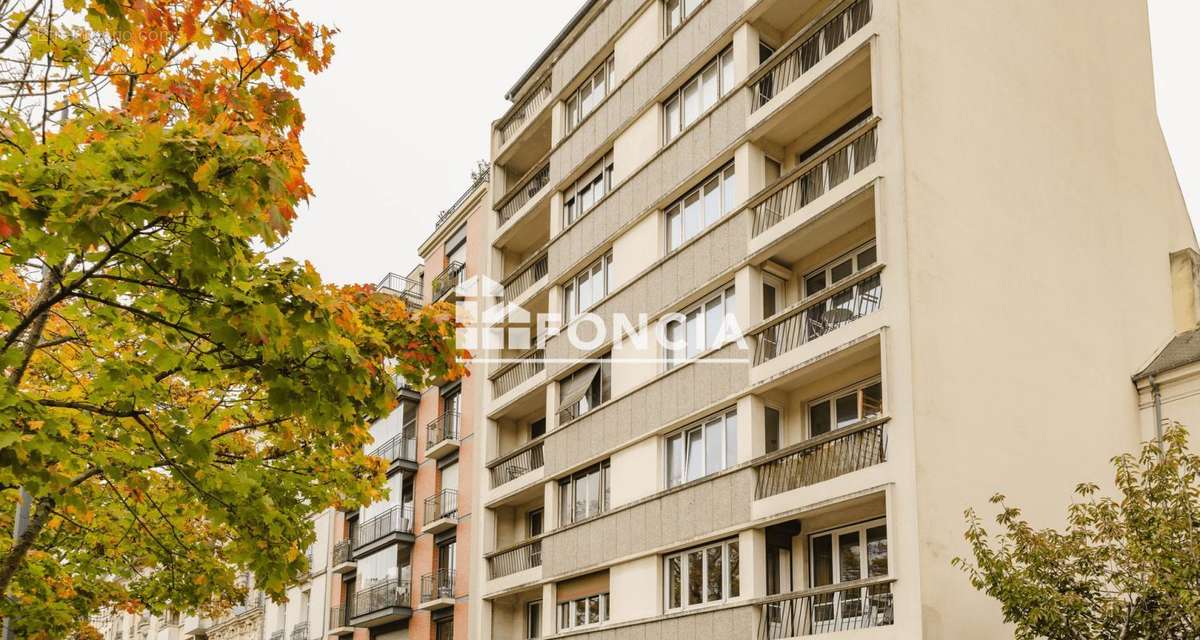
(8, 227)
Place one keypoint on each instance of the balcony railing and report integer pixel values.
(516, 464)
(478, 177)
(442, 428)
(513, 374)
(860, 604)
(845, 157)
(300, 630)
(254, 600)
(443, 504)
(399, 447)
(447, 279)
(398, 285)
(824, 457)
(529, 187)
(385, 595)
(341, 552)
(277, 634)
(526, 555)
(526, 275)
(805, 50)
(525, 111)
(398, 519)
(849, 300)
(437, 585)
(340, 616)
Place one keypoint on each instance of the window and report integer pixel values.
(702, 449)
(587, 287)
(772, 295)
(583, 494)
(537, 428)
(846, 305)
(588, 190)
(444, 630)
(533, 619)
(701, 328)
(845, 408)
(702, 575)
(533, 523)
(845, 555)
(701, 207)
(584, 390)
(676, 11)
(772, 421)
(590, 94)
(583, 612)
(699, 94)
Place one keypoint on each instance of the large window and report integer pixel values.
(590, 94)
(676, 11)
(703, 575)
(845, 408)
(698, 94)
(587, 287)
(533, 619)
(848, 304)
(702, 449)
(701, 328)
(701, 207)
(587, 388)
(845, 555)
(584, 494)
(588, 190)
(583, 612)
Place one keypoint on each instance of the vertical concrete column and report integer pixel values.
(745, 51)
(751, 434)
(549, 610)
(551, 407)
(748, 286)
(556, 214)
(751, 171)
(558, 122)
(549, 507)
(752, 545)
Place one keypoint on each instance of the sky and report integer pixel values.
(397, 123)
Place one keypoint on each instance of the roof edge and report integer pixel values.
(558, 39)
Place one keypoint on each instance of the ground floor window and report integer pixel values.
(583, 612)
(702, 575)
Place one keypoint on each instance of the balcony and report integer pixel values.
(514, 374)
(380, 604)
(339, 621)
(196, 627)
(400, 451)
(822, 458)
(447, 280)
(525, 191)
(343, 559)
(397, 285)
(441, 435)
(861, 604)
(441, 511)
(277, 634)
(517, 463)
(300, 630)
(524, 556)
(518, 118)
(437, 589)
(525, 276)
(393, 525)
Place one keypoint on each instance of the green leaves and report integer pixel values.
(1123, 569)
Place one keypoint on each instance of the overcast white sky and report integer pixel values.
(399, 119)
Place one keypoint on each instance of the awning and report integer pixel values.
(574, 390)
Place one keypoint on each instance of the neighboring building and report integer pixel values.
(1169, 385)
(946, 228)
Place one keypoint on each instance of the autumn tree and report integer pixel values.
(1125, 568)
(175, 402)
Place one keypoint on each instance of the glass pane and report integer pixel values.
(675, 461)
(593, 482)
(866, 258)
(564, 503)
(715, 574)
(735, 577)
(695, 454)
(713, 316)
(849, 557)
(712, 201)
(714, 441)
(693, 334)
(730, 439)
(674, 582)
(693, 216)
(729, 189)
(847, 410)
(818, 419)
(581, 498)
(580, 612)
(672, 118)
(691, 102)
(772, 429)
(726, 72)
(695, 577)
(841, 270)
(822, 561)
(877, 552)
(873, 401)
(814, 283)
(769, 301)
(675, 224)
(675, 337)
(710, 87)
(593, 605)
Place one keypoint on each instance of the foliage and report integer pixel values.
(1123, 569)
(176, 402)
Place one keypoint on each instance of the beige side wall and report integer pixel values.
(638, 40)
(637, 144)
(1040, 209)
(1179, 393)
(635, 472)
(635, 589)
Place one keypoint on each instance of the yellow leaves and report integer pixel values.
(204, 174)
(292, 553)
(200, 580)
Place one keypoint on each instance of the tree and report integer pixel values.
(175, 402)
(1123, 569)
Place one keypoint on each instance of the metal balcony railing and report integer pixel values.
(861, 604)
(516, 464)
(853, 298)
(277, 634)
(524, 276)
(525, 111)
(846, 156)
(443, 504)
(399, 447)
(525, 190)
(398, 519)
(300, 630)
(805, 50)
(254, 600)
(437, 585)
(511, 376)
(525, 555)
(447, 279)
(442, 428)
(824, 457)
(340, 616)
(341, 552)
(478, 177)
(398, 285)
(384, 595)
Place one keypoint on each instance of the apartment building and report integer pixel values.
(946, 231)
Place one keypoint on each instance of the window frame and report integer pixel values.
(594, 397)
(575, 108)
(864, 559)
(680, 97)
(826, 270)
(858, 390)
(571, 302)
(685, 9)
(726, 178)
(567, 496)
(531, 633)
(728, 298)
(727, 420)
(600, 174)
(566, 611)
(727, 573)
